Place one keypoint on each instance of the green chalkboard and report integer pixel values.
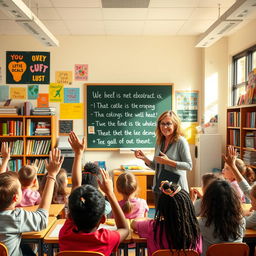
(124, 115)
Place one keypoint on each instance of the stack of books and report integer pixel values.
(250, 140)
(8, 111)
(43, 128)
(249, 157)
(51, 111)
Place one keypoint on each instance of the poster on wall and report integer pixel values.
(71, 95)
(33, 91)
(187, 105)
(4, 95)
(18, 93)
(27, 67)
(63, 77)
(56, 92)
(81, 72)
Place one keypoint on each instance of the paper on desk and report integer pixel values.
(107, 227)
(55, 232)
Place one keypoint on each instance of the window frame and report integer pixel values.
(248, 53)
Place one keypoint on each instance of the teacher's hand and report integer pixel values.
(139, 154)
(162, 159)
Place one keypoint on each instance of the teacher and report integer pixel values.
(172, 155)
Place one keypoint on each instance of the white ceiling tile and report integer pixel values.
(173, 3)
(124, 27)
(80, 13)
(204, 14)
(39, 3)
(76, 3)
(169, 13)
(56, 27)
(162, 27)
(215, 3)
(124, 13)
(85, 27)
(3, 16)
(13, 28)
(46, 13)
(195, 27)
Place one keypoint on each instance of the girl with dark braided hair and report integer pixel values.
(221, 215)
(175, 225)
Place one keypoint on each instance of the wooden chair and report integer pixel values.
(167, 252)
(3, 250)
(79, 253)
(230, 249)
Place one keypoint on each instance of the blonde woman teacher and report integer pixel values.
(172, 157)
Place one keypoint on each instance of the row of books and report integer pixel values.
(251, 120)
(38, 147)
(40, 163)
(250, 140)
(38, 128)
(8, 111)
(234, 137)
(26, 108)
(50, 111)
(249, 157)
(15, 165)
(11, 128)
(233, 119)
(16, 147)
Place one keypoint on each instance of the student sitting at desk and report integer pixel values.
(14, 221)
(86, 209)
(175, 225)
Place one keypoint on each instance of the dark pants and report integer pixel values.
(156, 198)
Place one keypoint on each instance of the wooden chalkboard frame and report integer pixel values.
(116, 84)
(65, 121)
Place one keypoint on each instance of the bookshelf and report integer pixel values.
(241, 132)
(30, 137)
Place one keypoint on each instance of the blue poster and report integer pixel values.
(71, 95)
(4, 95)
(33, 91)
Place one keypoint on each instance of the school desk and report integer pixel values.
(56, 210)
(37, 236)
(52, 236)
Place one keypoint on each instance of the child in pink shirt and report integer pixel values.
(175, 225)
(132, 206)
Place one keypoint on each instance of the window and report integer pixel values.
(243, 63)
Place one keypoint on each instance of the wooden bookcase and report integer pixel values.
(145, 183)
(26, 147)
(241, 132)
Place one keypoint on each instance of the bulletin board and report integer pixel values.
(124, 115)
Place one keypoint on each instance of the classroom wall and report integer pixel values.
(117, 59)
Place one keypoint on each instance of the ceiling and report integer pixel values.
(88, 17)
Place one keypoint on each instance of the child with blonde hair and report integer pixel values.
(29, 184)
(132, 206)
(14, 221)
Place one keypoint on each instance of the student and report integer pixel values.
(86, 209)
(6, 155)
(228, 175)
(132, 206)
(60, 195)
(249, 191)
(175, 225)
(91, 171)
(29, 184)
(196, 195)
(14, 221)
(221, 217)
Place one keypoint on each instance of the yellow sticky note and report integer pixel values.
(71, 111)
(18, 93)
(63, 77)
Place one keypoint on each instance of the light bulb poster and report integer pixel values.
(27, 67)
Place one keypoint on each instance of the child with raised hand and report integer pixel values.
(196, 195)
(175, 225)
(14, 221)
(249, 191)
(86, 207)
(91, 171)
(221, 217)
(6, 155)
(132, 206)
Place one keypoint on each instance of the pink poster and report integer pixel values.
(81, 72)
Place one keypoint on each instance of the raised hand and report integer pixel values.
(5, 150)
(231, 156)
(105, 184)
(55, 162)
(77, 146)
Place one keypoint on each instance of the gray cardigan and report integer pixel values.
(179, 152)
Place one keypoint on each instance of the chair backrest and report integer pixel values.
(167, 252)
(3, 250)
(234, 249)
(79, 253)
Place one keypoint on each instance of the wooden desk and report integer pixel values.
(37, 236)
(56, 210)
(53, 239)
